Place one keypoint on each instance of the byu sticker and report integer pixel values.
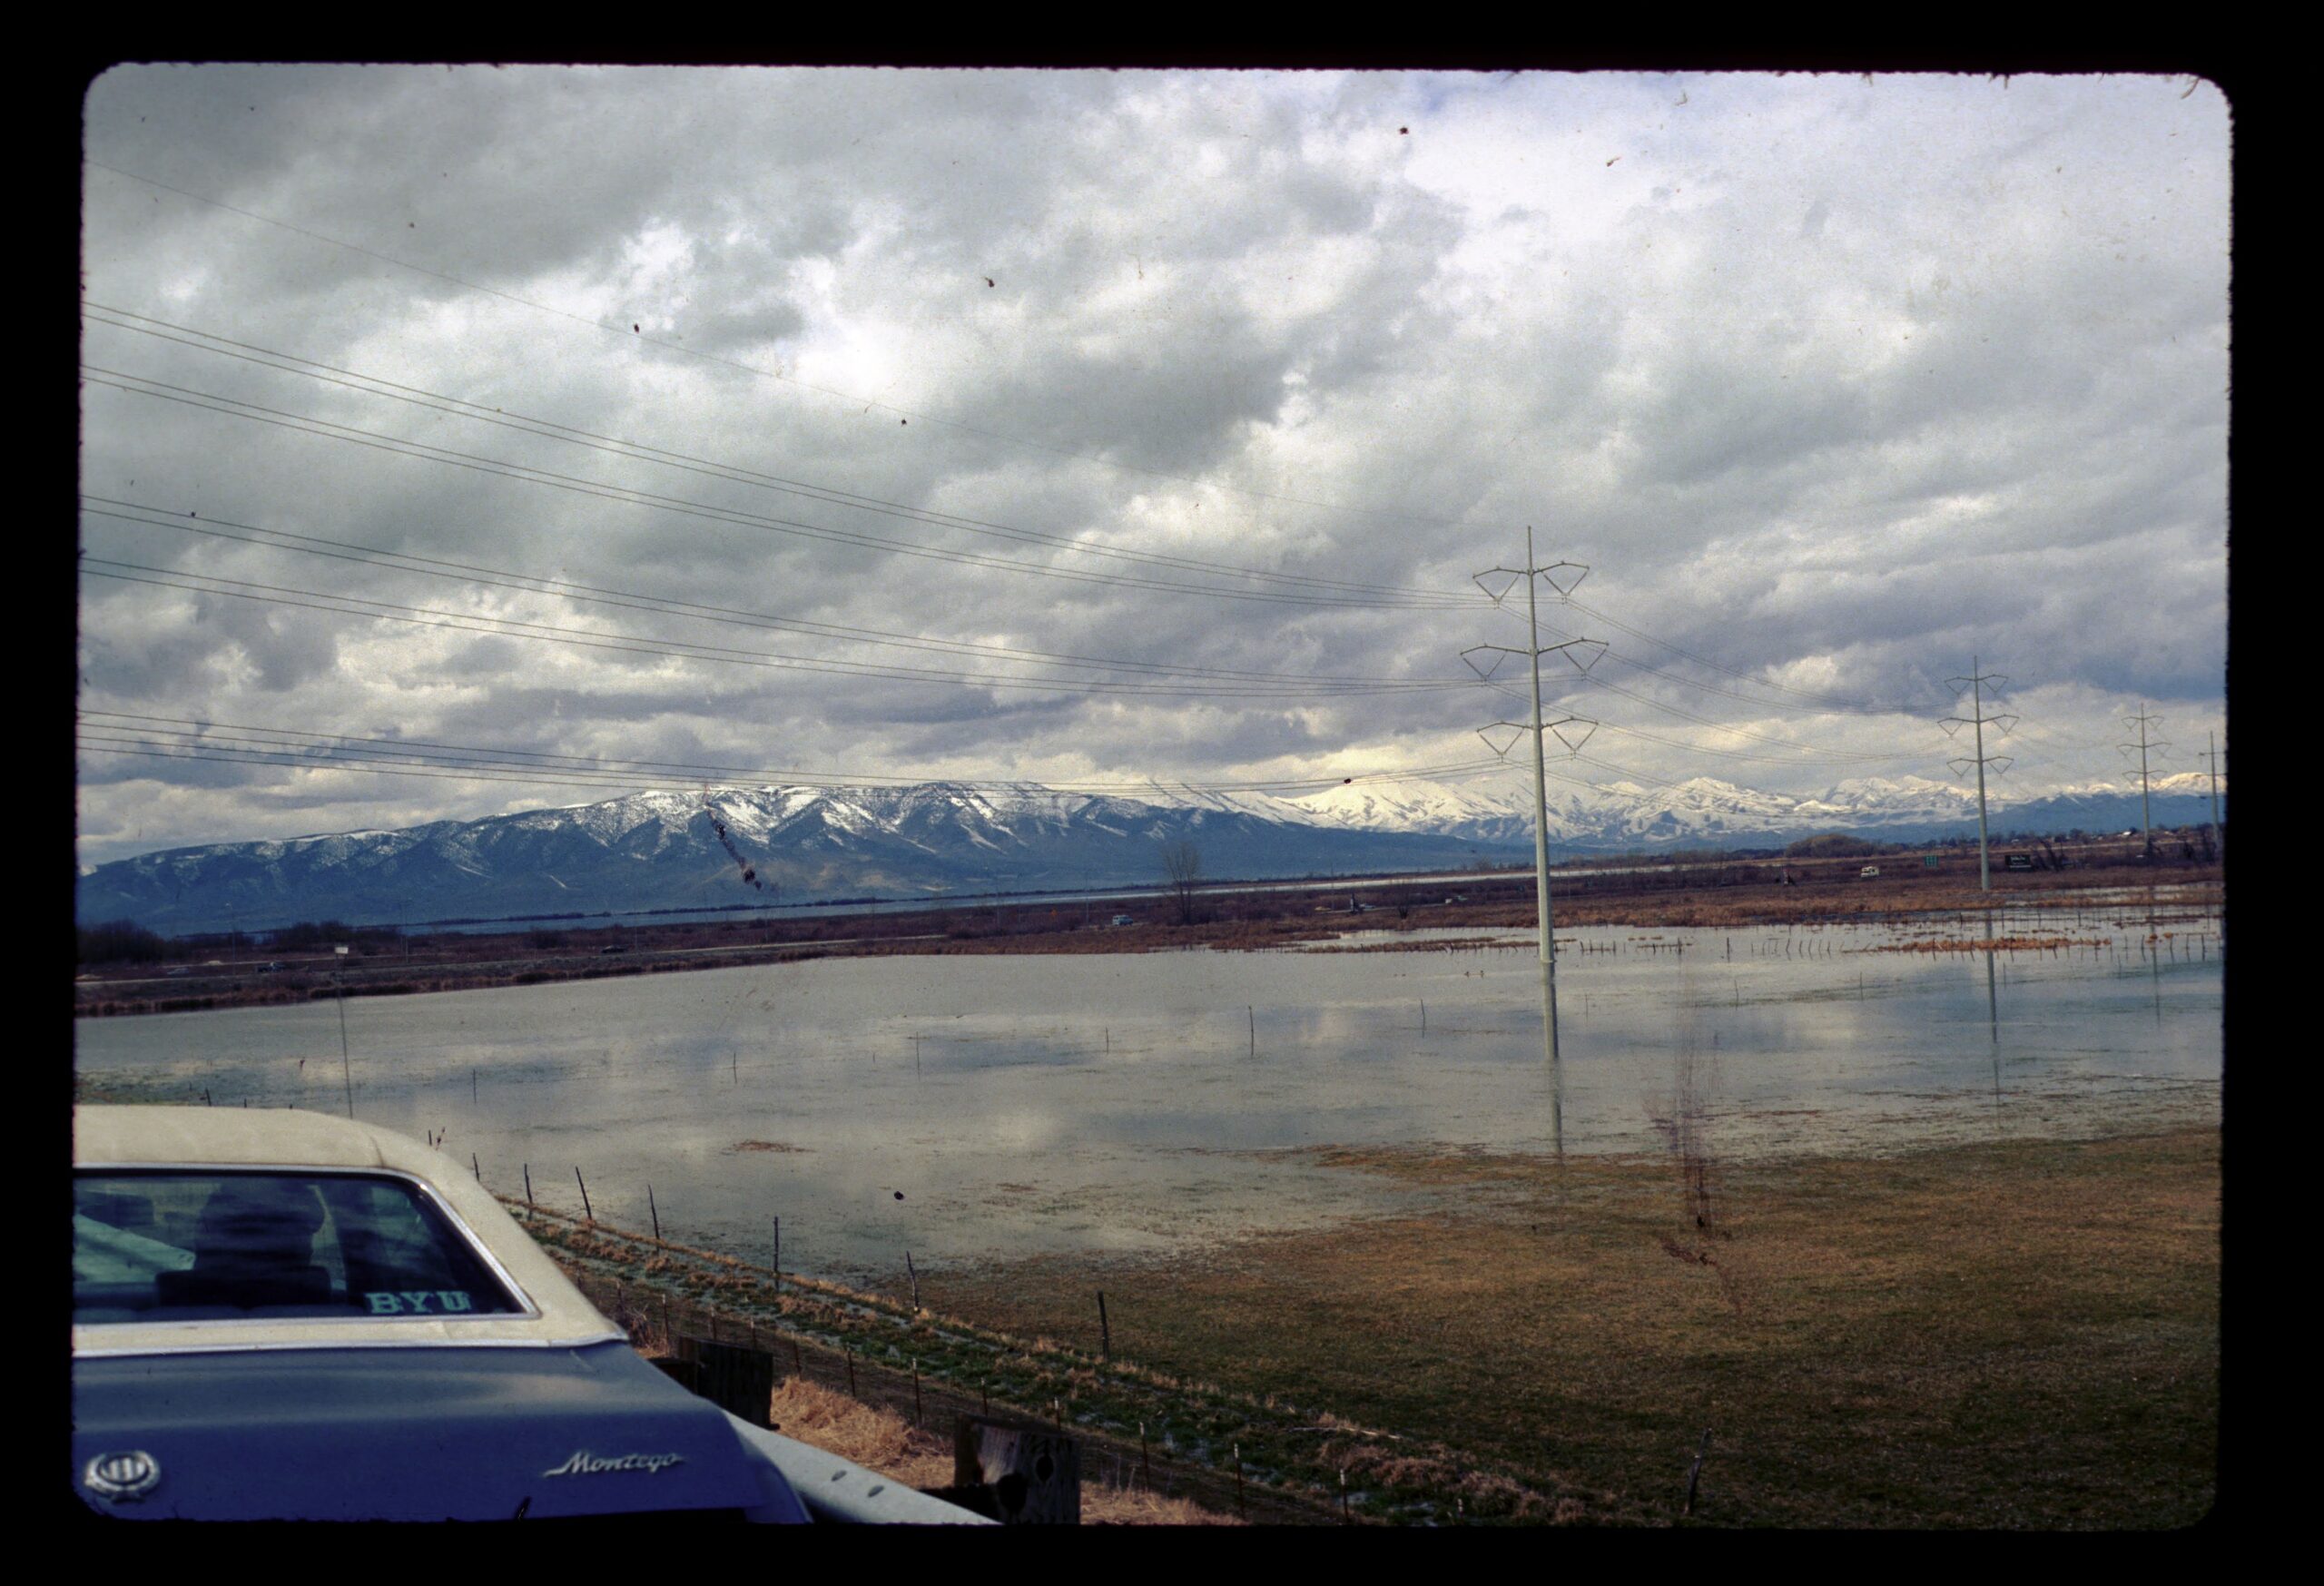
(418, 1301)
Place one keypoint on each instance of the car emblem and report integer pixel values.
(582, 1463)
(123, 1478)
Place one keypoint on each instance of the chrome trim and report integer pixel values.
(333, 1345)
(528, 1309)
(122, 1478)
(837, 1490)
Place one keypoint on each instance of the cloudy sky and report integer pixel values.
(462, 441)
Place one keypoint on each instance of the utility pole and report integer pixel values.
(1977, 683)
(2211, 756)
(1563, 576)
(2140, 721)
(347, 1071)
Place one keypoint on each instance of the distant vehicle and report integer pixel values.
(1869, 870)
(603, 951)
(1124, 919)
(285, 1316)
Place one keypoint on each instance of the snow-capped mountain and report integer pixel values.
(1625, 814)
(670, 849)
(1707, 812)
(696, 849)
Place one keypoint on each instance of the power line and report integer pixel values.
(472, 573)
(1734, 754)
(1977, 683)
(418, 396)
(2140, 723)
(1685, 682)
(1594, 681)
(133, 745)
(678, 649)
(140, 385)
(1829, 701)
(1561, 577)
(637, 335)
(302, 749)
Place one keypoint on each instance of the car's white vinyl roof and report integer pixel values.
(217, 1137)
(241, 1138)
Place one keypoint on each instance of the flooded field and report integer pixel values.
(963, 1109)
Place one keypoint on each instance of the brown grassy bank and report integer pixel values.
(2020, 1335)
(881, 1440)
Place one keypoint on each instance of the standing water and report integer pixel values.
(991, 1105)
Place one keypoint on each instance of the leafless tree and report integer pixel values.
(1182, 866)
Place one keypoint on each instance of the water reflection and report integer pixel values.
(1117, 1103)
(2154, 958)
(1557, 1110)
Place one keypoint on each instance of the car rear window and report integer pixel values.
(180, 1246)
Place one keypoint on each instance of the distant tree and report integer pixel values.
(1182, 868)
(1832, 845)
(118, 941)
(314, 934)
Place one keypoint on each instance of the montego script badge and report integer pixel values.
(584, 1463)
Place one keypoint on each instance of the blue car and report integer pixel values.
(287, 1315)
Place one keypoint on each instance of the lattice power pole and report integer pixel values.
(1977, 683)
(1563, 578)
(2211, 758)
(2140, 723)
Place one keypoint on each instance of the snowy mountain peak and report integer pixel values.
(679, 848)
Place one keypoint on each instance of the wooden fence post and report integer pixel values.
(1695, 1472)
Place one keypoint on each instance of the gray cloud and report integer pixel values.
(1832, 382)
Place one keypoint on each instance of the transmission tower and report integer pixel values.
(1977, 683)
(2140, 723)
(1563, 578)
(2210, 757)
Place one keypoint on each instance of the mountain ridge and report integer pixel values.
(664, 849)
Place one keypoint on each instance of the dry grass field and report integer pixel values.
(2016, 1336)
(2011, 1335)
(881, 1440)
